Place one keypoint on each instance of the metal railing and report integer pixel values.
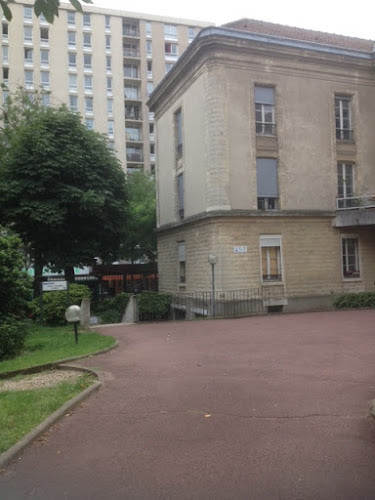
(344, 134)
(354, 202)
(225, 304)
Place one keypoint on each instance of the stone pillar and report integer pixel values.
(131, 314)
(85, 313)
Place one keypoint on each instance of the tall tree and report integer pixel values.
(140, 241)
(61, 189)
(49, 8)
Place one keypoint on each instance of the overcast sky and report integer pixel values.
(346, 18)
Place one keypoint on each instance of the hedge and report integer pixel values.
(354, 300)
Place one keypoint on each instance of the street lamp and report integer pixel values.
(212, 259)
(73, 315)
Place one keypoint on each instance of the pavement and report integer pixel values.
(268, 407)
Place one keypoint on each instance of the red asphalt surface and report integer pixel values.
(271, 407)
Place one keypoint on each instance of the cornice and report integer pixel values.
(245, 214)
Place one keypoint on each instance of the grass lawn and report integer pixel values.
(46, 345)
(21, 411)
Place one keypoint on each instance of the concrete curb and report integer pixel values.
(17, 448)
(372, 409)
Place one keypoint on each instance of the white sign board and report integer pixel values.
(53, 286)
(241, 249)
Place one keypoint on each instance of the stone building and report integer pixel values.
(266, 159)
(103, 64)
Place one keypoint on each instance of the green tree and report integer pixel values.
(61, 189)
(14, 282)
(49, 8)
(141, 239)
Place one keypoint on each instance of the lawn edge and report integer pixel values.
(54, 364)
(24, 442)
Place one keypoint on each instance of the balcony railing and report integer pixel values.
(344, 134)
(130, 31)
(134, 157)
(268, 204)
(131, 53)
(263, 128)
(356, 202)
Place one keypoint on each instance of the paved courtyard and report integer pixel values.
(268, 407)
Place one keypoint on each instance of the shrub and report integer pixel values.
(154, 305)
(354, 300)
(12, 337)
(112, 310)
(55, 303)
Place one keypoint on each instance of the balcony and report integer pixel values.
(134, 157)
(344, 134)
(133, 53)
(355, 211)
(263, 128)
(130, 31)
(266, 204)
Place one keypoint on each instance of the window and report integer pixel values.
(5, 31)
(131, 71)
(27, 13)
(45, 99)
(171, 49)
(72, 82)
(134, 153)
(131, 49)
(87, 61)
(148, 28)
(168, 67)
(267, 189)
(27, 34)
(151, 116)
(149, 69)
(89, 104)
(5, 96)
(150, 88)
(180, 196)
(29, 78)
(152, 149)
(178, 132)
(343, 117)
(87, 40)
(108, 63)
(87, 20)
(271, 258)
(28, 55)
(5, 75)
(109, 106)
(44, 57)
(107, 22)
(72, 57)
(132, 112)
(44, 35)
(71, 38)
(133, 134)
(71, 15)
(89, 122)
(350, 257)
(109, 85)
(131, 92)
(88, 83)
(170, 32)
(148, 48)
(73, 102)
(44, 79)
(130, 29)
(265, 110)
(108, 42)
(345, 185)
(151, 131)
(110, 128)
(191, 33)
(5, 53)
(181, 248)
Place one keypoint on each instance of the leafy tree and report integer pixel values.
(14, 282)
(141, 240)
(61, 188)
(49, 8)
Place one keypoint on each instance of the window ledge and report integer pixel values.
(350, 280)
(272, 283)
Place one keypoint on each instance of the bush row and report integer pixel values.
(354, 300)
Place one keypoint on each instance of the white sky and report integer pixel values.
(334, 16)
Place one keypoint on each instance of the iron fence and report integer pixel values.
(224, 304)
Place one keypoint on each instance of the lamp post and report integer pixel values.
(212, 259)
(73, 315)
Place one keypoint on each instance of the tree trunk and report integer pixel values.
(69, 274)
